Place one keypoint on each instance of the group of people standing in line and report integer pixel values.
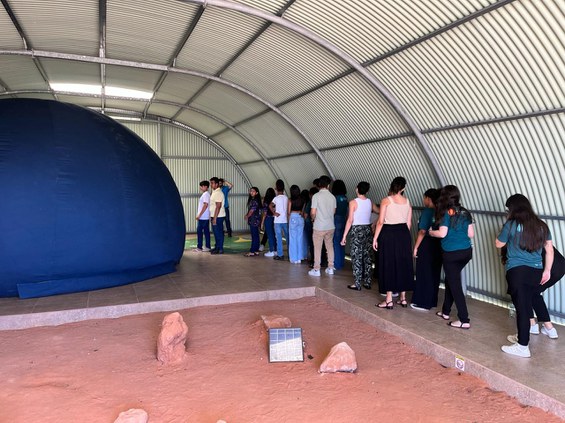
(318, 221)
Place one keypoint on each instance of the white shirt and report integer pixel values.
(204, 199)
(281, 206)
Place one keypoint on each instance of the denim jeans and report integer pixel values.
(339, 250)
(270, 231)
(203, 231)
(218, 229)
(279, 229)
(254, 239)
(295, 237)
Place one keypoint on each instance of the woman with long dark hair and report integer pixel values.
(253, 216)
(295, 225)
(268, 222)
(525, 235)
(455, 230)
(393, 241)
(427, 252)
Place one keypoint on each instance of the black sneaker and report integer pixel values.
(278, 258)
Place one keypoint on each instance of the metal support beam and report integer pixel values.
(164, 68)
(102, 12)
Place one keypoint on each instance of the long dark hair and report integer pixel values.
(269, 195)
(295, 198)
(397, 185)
(449, 202)
(257, 196)
(534, 230)
(338, 188)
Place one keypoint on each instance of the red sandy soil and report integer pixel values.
(91, 371)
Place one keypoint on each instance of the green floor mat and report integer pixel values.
(238, 243)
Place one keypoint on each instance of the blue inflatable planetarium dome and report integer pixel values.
(84, 202)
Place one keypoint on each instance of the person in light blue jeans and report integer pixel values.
(296, 225)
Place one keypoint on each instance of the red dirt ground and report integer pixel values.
(91, 371)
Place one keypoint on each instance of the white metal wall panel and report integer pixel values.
(227, 103)
(63, 71)
(62, 26)
(80, 101)
(299, 170)
(19, 73)
(179, 88)
(274, 136)
(507, 62)
(491, 162)
(199, 121)
(134, 105)
(131, 78)
(260, 176)
(366, 28)
(162, 110)
(150, 29)
(220, 33)
(237, 147)
(9, 37)
(379, 163)
(178, 142)
(281, 64)
(346, 110)
(149, 132)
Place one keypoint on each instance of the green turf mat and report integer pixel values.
(236, 244)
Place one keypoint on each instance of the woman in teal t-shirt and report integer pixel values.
(524, 234)
(455, 230)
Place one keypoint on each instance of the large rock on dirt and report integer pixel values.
(276, 321)
(171, 342)
(340, 359)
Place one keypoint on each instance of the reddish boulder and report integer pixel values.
(276, 321)
(171, 342)
(340, 359)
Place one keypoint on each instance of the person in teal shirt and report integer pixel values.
(525, 235)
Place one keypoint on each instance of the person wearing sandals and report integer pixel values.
(455, 230)
(253, 217)
(427, 252)
(393, 241)
(524, 235)
(295, 225)
(359, 222)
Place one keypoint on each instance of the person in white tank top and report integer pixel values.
(359, 222)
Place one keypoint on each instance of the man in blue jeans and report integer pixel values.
(217, 214)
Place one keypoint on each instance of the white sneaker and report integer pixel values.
(314, 272)
(512, 338)
(534, 329)
(270, 254)
(330, 271)
(552, 333)
(197, 250)
(296, 262)
(517, 350)
(416, 307)
(261, 247)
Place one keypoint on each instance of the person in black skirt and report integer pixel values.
(427, 252)
(393, 241)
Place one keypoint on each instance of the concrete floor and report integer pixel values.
(203, 279)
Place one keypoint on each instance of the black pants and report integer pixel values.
(228, 222)
(453, 264)
(523, 286)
